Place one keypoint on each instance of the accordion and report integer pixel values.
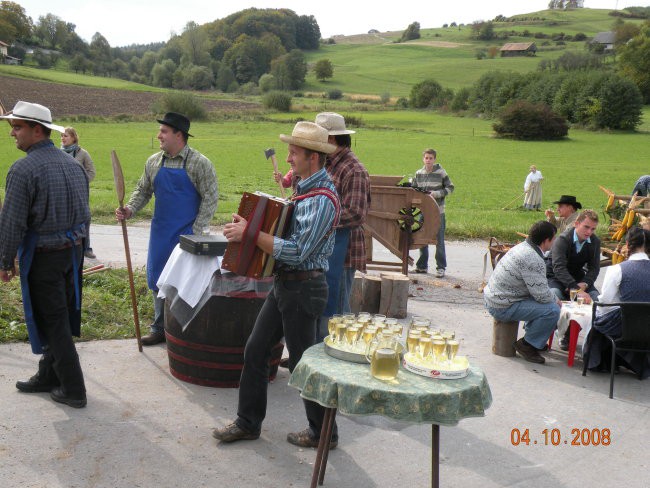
(264, 213)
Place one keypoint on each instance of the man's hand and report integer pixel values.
(582, 285)
(123, 213)
(235, 230)
(549, 213)
(277, 176)
(7, 275)
(585, 296)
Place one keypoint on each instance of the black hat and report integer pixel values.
(569, 200)
(177, 121)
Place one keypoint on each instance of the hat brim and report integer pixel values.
(577, 205)
(323, 147)
(49, 125)
(163, 122)
(340, 132)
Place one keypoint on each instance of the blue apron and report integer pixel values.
(176, 207)
(334, 273)
(25, 257)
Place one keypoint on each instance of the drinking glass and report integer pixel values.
(425, 347)
(452, 350)
(580, 300)
(573, 294)
(438, 348)
(340, 333)
(412, 341)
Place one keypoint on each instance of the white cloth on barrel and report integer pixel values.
(189, 274)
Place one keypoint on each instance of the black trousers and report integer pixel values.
(292, 309)
(51, 286)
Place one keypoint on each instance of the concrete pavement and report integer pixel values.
(144, 428)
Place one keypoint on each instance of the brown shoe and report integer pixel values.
(232, 433)
(305, 439)
(153, 338)
(528, 352)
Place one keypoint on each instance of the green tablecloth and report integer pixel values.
(351, 389)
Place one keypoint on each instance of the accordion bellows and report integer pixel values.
(264, 213)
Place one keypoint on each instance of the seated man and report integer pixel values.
(567, 210)
(518, 290)
(574, 260)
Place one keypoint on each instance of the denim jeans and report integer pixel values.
(292, 309)
(441, 255)
(540, 319)
(158, 313)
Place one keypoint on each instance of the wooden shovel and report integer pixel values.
(118, 177)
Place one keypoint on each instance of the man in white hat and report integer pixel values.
(43, 222)
(299, 293)
(352, 183)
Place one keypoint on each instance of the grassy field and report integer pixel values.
(488, 172)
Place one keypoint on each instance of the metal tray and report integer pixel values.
(352, 357)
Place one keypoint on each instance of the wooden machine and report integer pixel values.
(401, 219)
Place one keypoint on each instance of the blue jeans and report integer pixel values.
(292, 309)
(540, 319)
(441, 255)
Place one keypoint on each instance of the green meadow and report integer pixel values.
(488, 173)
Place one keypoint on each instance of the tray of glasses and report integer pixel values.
(445, 370)
(346, 352)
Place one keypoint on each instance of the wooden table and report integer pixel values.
(349, 388)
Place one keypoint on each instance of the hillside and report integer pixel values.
(376, 64)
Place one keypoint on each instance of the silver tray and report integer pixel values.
(350, 356)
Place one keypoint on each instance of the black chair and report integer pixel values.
(635, 334)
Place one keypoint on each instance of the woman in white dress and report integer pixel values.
(533, 189)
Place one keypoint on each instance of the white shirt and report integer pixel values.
(611, 284)
(532, 178)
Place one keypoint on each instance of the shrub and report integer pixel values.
(460, 101)
(428, 93)
(183, 103)
(402, 102)
(335, 94)
(385, 98)
(249, 88)
(267, 82)
(523, 120)
(278, 100)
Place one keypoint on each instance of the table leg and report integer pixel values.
(574, 332)
(323, 448)
(328, 439)
(435, 456)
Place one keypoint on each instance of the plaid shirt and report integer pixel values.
(352, 183)
(201, 173)
(47, 193)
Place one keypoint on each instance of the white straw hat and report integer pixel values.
(310, 136)
(333, 122)
(32, 112)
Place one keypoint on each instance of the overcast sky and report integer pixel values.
(124, 22)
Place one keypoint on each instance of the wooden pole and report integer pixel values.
(119, 188)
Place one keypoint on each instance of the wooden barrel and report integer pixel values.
(211, 350)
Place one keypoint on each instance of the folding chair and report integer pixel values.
(635, 334)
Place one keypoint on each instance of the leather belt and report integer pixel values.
(298, 275)
(67, 245)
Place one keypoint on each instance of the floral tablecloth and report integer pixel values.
(351, 389)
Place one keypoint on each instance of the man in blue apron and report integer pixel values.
(43, 222)
(184, 183)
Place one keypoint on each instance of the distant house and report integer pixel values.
(3, 49)
(605, 40)
(518, 49)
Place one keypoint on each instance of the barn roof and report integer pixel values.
(517, 46)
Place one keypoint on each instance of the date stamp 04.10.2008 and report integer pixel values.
(557, 437)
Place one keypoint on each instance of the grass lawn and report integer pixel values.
(488, 173)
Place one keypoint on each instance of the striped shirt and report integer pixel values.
(352, 183)
(307, 245)
(47, 193)
(201, 173)
(437, 183)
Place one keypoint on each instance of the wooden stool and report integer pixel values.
(504, 335)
